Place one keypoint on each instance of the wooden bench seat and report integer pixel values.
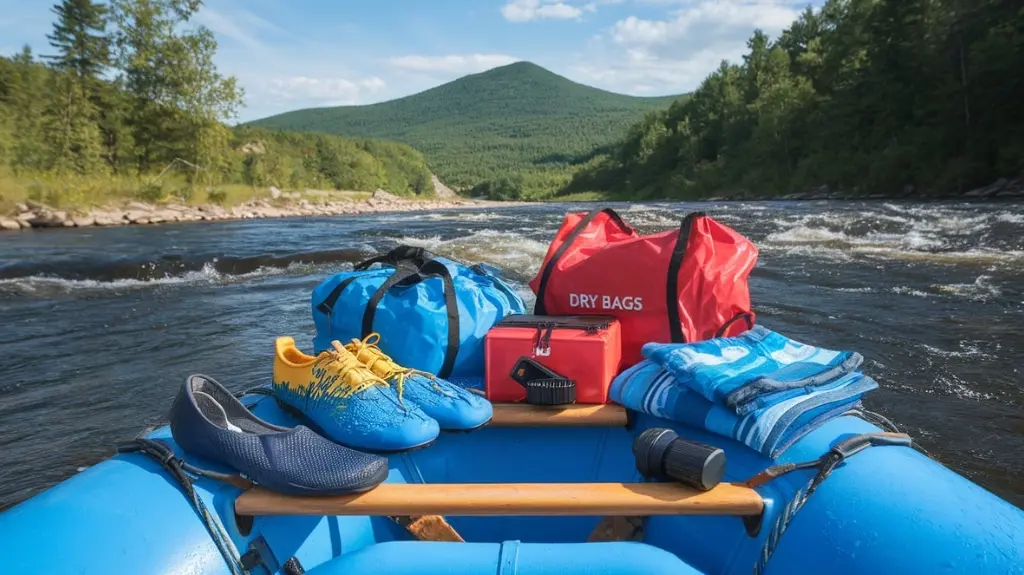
(475, 499)
(577, 415)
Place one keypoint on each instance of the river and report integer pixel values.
(102, 325)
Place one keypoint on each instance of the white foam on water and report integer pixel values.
(816, 253)
(954, 224)
(941, 234)
(856, 290)
(973, 256)
(650, 217)
(903, 290)
(504, 249)
(208, 275)
(806, 235)
(461, 217)
(968, 349)
(1010, 218)
(955, 386)
(982, 289)
(913, 245)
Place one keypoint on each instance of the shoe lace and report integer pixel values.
(381, 364)
(349, 377)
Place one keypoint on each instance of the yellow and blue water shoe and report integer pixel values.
(454, 408)
(348, 402)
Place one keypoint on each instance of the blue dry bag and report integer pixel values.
(431, 313)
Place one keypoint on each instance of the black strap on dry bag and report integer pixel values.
(327, 306)
(745, 316)
(539, 308)
(675, 324)
(401, 254)
(395, 257)
(408, 274)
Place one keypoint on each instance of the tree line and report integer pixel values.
(865, 96)
(129, 87)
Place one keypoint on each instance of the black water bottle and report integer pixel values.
(661, 454)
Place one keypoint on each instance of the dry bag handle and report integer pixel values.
(675, 325)
(748, 317)
(538, 307)
(408, 275)
(395, 256)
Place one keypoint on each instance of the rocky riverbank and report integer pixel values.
(30, 214)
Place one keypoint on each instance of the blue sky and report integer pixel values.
(291, 54)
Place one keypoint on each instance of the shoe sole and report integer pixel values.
(382, 477)
(468, 429)
(297, 414)
(396, 451)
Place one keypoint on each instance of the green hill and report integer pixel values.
(517, 119)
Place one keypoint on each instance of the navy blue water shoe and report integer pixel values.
(208, 421)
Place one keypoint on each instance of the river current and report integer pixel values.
(100, 326)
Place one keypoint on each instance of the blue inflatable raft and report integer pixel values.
(887, 509)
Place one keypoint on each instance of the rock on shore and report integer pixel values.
(35, 215)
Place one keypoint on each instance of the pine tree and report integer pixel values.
(80, 39)
(73, 131)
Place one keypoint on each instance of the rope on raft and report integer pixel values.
(825, 465)
(178, 468)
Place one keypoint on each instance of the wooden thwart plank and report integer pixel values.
(578, 415)
(475, 499)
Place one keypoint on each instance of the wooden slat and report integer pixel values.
(579, 415)
(465, 499)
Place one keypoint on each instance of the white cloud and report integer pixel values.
(528, 10)
(674, 54)
(702, 24)
(455, 63)
(324, 91)
(640, 74)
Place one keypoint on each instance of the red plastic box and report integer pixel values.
(584, 348)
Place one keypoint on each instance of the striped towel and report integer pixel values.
(649, 388)
(755, 369)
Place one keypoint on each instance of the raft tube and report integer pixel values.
(885, 510)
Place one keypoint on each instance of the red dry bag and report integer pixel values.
(677, 286)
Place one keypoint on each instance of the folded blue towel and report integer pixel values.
(753, 370)
(649, 388)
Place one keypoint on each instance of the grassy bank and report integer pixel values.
(82, 193)
(583, 197)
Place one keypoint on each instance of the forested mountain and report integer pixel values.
(129, 88)
(517, 119)
(868, 96)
